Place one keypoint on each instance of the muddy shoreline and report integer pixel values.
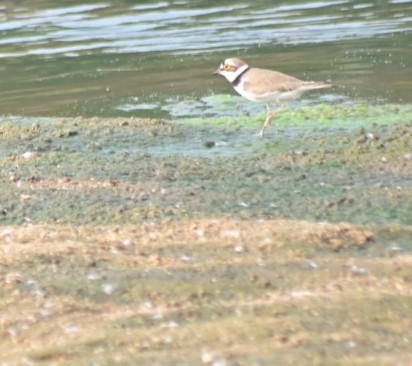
(126, 171)
(126, 241)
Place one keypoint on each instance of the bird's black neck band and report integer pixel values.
(237, 79)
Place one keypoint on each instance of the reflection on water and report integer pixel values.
(71, 57)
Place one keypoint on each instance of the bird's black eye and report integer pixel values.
(227, 67)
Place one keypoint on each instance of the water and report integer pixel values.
(140, 58)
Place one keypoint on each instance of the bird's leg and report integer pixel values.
(269, 117)
(266, 124)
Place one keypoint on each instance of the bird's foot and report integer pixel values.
(261, 133)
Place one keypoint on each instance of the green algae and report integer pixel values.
(334, 171)
(235, 111)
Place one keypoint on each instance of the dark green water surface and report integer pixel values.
(138, 58)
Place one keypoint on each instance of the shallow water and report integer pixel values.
(125, 58)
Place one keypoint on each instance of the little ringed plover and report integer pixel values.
(264, 86)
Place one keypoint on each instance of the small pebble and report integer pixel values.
(108, 288)
(209, 144)
(28, 155)
(93, 276)
(357, 270)
(239, 249)
(186, 258)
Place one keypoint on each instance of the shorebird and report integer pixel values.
(265, 86)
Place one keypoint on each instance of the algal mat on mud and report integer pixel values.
(142, 242)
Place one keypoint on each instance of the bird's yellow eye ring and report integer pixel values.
(226, 67)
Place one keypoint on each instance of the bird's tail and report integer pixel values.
(311, 85)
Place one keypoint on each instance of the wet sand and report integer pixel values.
(129, 241)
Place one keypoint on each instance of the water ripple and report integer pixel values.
(189, 27)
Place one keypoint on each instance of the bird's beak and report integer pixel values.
(218, 71)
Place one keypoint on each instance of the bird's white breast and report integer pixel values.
(258, 98)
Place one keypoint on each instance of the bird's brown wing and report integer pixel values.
(268, 81)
